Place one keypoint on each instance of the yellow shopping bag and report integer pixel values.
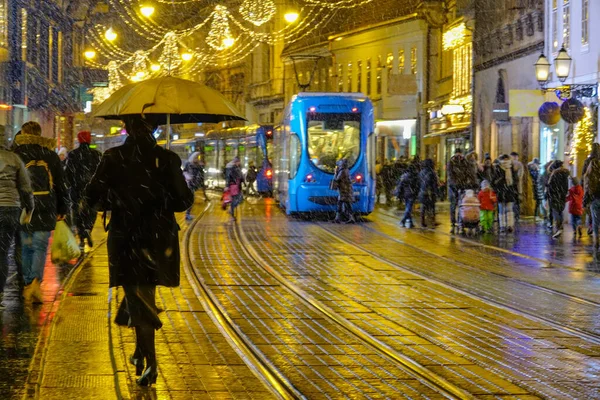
(64, 244)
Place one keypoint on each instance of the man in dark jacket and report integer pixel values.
(429, 185)
(534, 172)
(143, 186)
(251, 176)
(346, 196)
(459, 178)
(558, 188)
(15, 192)
(46, 174)
(81, 166)
(408, 190)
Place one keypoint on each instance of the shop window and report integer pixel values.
(462, 70)
(379, 72)
(23, 34)
(554, 26)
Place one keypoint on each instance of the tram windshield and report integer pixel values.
(332, 137)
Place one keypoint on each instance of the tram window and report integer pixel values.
(295, 154)
(331, 137)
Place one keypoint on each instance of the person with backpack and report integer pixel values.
(81, 166)
(251, 176)
(143, 186)
(51, 203)
(15, 193)
(591, 187)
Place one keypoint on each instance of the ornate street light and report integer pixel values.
(89, 54)
(562, 65)
(542, 70)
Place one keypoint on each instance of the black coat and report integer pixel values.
(429, 184)
(344, 184)
(196, 175)
(81, 166)
(461, 173)
(46, 173)
(506, 193)
(558, 188)
(408, 187)
(143, 186)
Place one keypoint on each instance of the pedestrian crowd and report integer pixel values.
(489, 194)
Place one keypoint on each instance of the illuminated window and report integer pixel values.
(413, 60)
(554, 26)
(23, 34)
(401, 62)
(389, 63)
(462, 64)
(359, 76)
(368, 77)
(349, 77)
(585, 22)
(60, 56)
(340, 80)
(566, 25)
(50, 51)
(379, 70)
(3, 24)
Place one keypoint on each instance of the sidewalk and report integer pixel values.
(84, 354)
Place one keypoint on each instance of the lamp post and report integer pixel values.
(562, 68)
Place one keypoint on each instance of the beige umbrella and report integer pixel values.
(171, 100)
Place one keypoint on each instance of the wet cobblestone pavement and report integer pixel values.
(273, 307)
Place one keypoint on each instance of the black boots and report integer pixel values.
(145, 343)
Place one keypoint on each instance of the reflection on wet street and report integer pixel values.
(21, 326)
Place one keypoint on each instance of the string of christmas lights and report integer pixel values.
(258, 12)
(583, 135)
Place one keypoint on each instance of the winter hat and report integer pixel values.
(485, 184)
(487, 156)
(31, 128)
(536, 160)
(63, 151)
(84, 137)
(469, 193)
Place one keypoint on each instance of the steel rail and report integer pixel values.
(591, 337)
(412, 367)
(253, 357)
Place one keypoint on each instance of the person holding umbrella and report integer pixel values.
(143, 185)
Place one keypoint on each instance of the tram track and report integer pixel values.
(253, 358)
(587, 335)
(439, 383)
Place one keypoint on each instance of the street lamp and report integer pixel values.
(562, 65)
(89, 54)
(186, 56)
(110, 34)
(542, 70)
(291, 16)
(146, 10)
(228, 41)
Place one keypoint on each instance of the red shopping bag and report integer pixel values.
(225, 199)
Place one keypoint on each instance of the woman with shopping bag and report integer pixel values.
(142, 184)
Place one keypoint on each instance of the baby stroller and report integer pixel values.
(469, 213)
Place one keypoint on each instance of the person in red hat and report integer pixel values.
(81, 166)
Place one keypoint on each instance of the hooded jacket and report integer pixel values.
(429, 183)
(81, 166)
(575, 199)
(558, 187)
(46, 174)
(14, 181)
(194, 172)
(461, 173)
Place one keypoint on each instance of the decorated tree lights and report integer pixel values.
(219, 37)
(258, 12)
(169, 60)
(583, 135)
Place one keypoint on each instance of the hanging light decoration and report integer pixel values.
(219, 37)
(169, 59)
(140, 64)
(258, 12)
(110, 34)
(147, 10)
(114, 79)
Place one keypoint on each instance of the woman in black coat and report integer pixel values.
(429, 184)
(505, 185)
(143, 185)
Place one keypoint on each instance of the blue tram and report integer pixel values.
(318, 130)
(252, 144)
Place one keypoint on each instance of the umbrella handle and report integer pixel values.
(146, 106)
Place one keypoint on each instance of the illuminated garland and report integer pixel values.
(583, 134)
(258, 12)
(219, 37)
(169, 58)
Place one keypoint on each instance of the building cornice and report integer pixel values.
(536, 47)
(406, 18)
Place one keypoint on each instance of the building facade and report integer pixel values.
(38, 80)
(570, 24)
